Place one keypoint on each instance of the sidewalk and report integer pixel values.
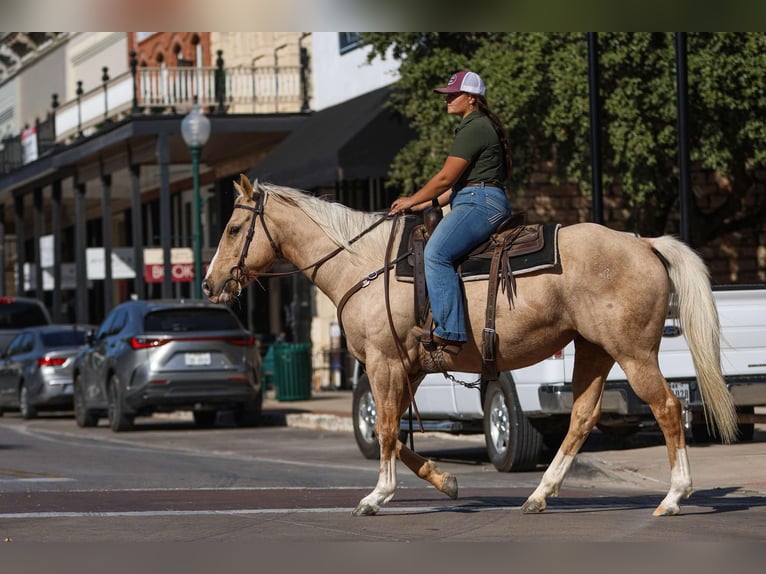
(328, 410)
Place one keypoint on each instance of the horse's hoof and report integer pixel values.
(669, 510)
(532, 506)
(450, 487)
(365, 509)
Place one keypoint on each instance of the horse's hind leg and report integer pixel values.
(592, 364)
(647, 381)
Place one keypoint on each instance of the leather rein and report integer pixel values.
(239, 272)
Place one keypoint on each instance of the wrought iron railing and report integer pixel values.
(144, 90)
(262, 89)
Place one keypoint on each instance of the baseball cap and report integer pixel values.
(464, 81)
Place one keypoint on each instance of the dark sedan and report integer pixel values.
(36, 368)
(161, 356)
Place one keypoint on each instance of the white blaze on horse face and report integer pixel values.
(212, 263)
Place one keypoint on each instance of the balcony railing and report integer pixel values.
(262, 89)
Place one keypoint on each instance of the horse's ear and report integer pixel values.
(245, 186)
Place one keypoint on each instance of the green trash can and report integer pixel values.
(292, 371)
(267, 368)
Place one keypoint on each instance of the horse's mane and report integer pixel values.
(339, 222)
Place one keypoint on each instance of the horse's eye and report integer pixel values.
(234, 229)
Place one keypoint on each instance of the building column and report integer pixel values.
(57, 240)
(81, 302)
(37, 231)
(166, 224)
(21, 255)
(139, 286)
(106, 231)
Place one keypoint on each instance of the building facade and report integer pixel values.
(108, 177)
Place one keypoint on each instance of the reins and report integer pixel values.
(399, 345)
(239, 272)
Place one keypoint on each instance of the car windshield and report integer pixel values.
(182, 320)
(68, 338)
(20, 314)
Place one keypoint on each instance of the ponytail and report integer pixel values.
(500, 130)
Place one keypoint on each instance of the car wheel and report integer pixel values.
(27, 410)
(82, 415)
(205, 419)
(249, 414)
(364, 418)
(746, 431)
(513, 444)
(119, 420)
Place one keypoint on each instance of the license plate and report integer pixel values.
(197, 359)
(681, 390)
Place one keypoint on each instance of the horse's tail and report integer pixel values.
(698, 317)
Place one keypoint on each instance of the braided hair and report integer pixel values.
(499, 129)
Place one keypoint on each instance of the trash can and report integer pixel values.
(292, 371)
(267, 368)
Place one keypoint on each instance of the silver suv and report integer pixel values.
(155, 356)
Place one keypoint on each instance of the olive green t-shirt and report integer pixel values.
(477, 141)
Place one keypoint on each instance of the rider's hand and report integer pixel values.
(400, 205)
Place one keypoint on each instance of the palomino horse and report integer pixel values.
(610, 294)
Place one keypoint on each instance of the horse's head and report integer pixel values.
(240, 255)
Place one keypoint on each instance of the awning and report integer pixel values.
(357, 139)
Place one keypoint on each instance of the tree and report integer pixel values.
(538, 85)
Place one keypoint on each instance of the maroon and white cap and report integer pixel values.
(464, 81)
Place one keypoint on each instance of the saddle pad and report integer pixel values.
(477, 268)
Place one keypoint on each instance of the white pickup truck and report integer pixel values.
(528, 408)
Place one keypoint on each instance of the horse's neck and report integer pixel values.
(307, 243)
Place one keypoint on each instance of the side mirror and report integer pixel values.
(90, 336)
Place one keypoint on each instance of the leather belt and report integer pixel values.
(484, 184)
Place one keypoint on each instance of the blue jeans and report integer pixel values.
(476, 213)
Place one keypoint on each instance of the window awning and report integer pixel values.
(356, 139)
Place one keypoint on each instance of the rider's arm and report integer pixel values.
(436, 187)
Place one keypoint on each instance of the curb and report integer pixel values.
(309, 421)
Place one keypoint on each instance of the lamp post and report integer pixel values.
(195, 129)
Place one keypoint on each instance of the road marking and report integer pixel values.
(246, 511)
(39, 479)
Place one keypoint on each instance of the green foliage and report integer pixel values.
(538, 85)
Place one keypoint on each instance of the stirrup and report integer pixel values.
(431, 342)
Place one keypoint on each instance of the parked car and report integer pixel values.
(36, 368)
(162, 356)
(17, 313)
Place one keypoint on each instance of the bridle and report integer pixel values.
(239, 272)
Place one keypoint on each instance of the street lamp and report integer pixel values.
(195, 129)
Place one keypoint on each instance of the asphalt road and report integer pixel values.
(169, 481)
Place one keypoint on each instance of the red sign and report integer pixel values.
(179, 272)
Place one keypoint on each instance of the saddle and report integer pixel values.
(513, 249)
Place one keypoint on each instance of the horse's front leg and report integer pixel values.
(428, 471)
(384, 490)
(387, 428)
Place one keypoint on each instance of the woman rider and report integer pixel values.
(472, 182)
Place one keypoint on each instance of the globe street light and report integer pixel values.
(195, 129)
